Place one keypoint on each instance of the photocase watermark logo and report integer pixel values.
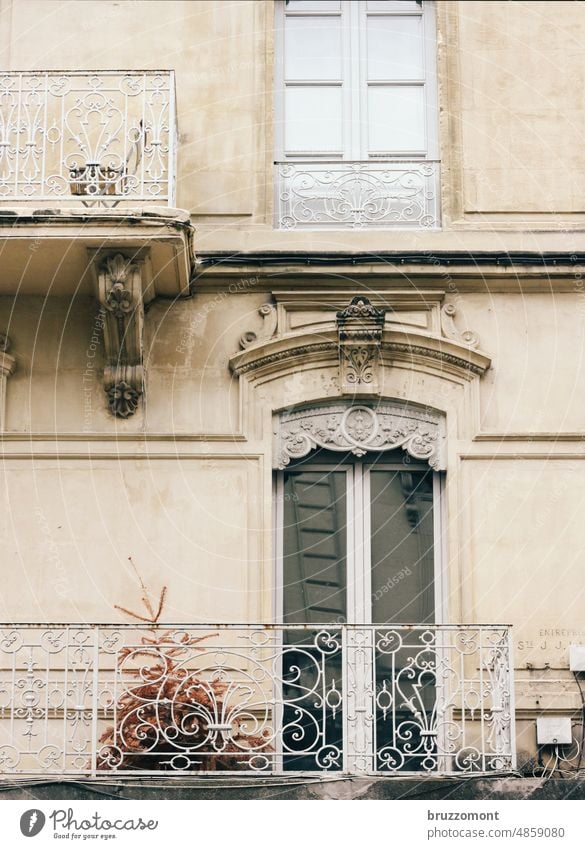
(32, 822)
(65, 824)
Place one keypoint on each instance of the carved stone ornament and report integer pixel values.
(359, 330)
(250, 337)
(120, 295)
(357, 429)
(467, 337)
(122, 399)
(358, 346)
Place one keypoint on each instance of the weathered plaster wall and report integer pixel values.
(521, 106)
(69, 525)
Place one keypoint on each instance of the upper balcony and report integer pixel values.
(88, 160)
(95, 138)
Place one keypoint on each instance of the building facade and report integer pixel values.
(292, 420)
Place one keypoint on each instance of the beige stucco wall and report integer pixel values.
(521, 108)
(195, 406)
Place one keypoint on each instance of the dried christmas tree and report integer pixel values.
(168, 720)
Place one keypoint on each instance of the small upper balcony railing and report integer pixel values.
(360, 700)
(322, 195)
(91, 138)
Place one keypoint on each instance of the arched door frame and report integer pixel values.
(361, 429)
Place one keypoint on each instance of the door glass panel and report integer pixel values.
(312, 49)
(314, 551)
(396, 118)
(395, 48)
(314, 591)
(402, 551)
(402, 559)
(313, 119)
(313, 6)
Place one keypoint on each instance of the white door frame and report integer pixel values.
(358, 554)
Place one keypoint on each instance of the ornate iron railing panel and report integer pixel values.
(104, 700)
(90, 137)
(443, 700)
(356, 195)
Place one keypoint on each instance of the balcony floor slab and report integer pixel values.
(49, 251)
(179, 789)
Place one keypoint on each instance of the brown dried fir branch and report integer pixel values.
(145, 599)
(170, 711)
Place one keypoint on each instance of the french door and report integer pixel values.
(358, 544)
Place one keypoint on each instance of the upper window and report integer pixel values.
(356, 84)
(357, 79)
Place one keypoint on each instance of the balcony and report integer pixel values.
(117, 700)
(87, 164)
(321, 195)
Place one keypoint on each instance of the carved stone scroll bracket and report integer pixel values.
(250, 337)
(467, 337)
(7, 367)
(120, 295)
(359, 331)
(358, 429)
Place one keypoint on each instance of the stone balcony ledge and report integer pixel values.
(63, 215)
(49, 251)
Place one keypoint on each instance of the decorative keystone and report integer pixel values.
(359, 332)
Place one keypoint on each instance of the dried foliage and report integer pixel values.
(153, 615)
(168, 712)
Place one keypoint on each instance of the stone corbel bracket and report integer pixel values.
(359, 333)
(120, 296)
(7, 367)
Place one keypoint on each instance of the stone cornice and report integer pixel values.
(288, 352)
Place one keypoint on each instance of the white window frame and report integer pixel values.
(358, 556)
(355, 85)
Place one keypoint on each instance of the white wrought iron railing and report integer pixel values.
(87, 137)
(322, 195)
(99, 700)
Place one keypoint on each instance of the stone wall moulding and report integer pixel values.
(359, 344)
(358, 429)
(120, 289)
(7, 367)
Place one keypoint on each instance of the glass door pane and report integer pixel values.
(314, 592)
(402, 569)
(402, 551)
(315, 546)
